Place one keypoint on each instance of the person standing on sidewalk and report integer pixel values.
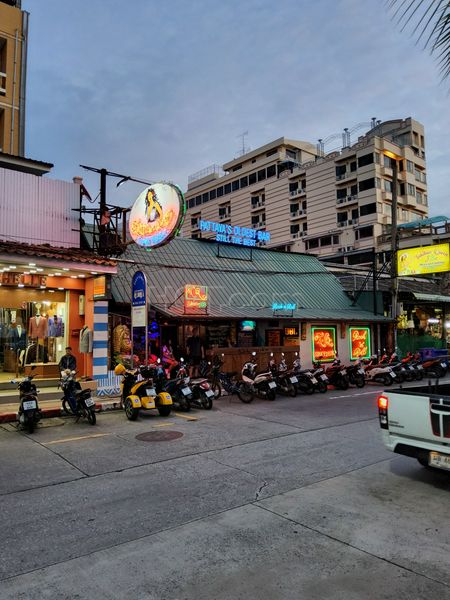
(195, 351)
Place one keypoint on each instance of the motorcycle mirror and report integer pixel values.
(253, 353)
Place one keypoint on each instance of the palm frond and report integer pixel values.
(430, 20)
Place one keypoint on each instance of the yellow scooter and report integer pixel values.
(137, 395)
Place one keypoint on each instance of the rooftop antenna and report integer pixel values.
(244, 148)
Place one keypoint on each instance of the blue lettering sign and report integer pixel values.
(283, 306)
(234, 234)
(138, 289)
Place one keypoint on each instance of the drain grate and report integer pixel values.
(159, 436)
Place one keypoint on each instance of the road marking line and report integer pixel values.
(358, 394)
(185, 417)
(163, 424)
(75, 439)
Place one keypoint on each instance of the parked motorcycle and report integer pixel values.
(219, 380)
(401, 374)
(142, 394)
(177, 388)
(76, 401)
(378, 373)
(261, 385)
(356, 374)
(282, 376)
(202, 394)
(29, 412)
(435, 367)
(306, 381)
(318, 372)
(337, 374)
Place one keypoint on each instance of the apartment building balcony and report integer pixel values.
(224, 216)
(2, 83)
(258, 205)
(298, 235)
(298, 192)
(346, 176)
(348, 223)
(298, 214)
(347, 200)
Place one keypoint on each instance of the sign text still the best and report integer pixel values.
(234, 234)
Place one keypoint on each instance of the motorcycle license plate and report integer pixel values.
(294, 380)
(313, 380)
(29, 405)
(272, 384)
(361, 371)
(344, 372)
(443, 365)
(186, 391)
(209, 393)
(420, 367)
(441, 461)
(89, 402)
(324, 378)
(150, 392)
(392, 375)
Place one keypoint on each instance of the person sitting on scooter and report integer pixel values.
(68, 361)
(168, 358)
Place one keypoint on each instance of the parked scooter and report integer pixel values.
(378, 373)
(76, 401)
(356, 374)
(202, 394)
(337, 374)
(256, 384)
(435, 367)
(29, 411)
(282, 376)
(178, 388)
(319, 374)
(401, 374)
(219, 380)
(306, 381)
(137, 395)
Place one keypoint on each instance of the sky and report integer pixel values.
(160, 89)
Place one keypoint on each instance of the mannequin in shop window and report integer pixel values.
(17, 336)
(55, 326)
(37, 331)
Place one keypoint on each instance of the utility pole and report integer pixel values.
(394, 249)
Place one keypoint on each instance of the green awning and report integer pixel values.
(431, 297)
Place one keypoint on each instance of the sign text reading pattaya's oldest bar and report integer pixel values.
(234, 234)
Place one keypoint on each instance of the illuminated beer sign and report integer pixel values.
(423, 260)
(359, 342)
(157, 215)
(195, 298)
(323, 343)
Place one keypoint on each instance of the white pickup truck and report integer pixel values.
(415, 422)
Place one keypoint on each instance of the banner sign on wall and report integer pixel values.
(423, 260)
(359, 343)
(157, 215)
(323, 343)
(139, 300)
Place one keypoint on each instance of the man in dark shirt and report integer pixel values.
(195, 351)
(68, 361)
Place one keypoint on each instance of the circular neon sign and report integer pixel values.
(157, 215)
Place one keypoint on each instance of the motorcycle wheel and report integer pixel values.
(387, 380)
(91, 416)
(419, 375)
(343, 383)
(360, 382)
(322, 387)
(292, 390)
(184, 404)
(164, 411)
(66, 407)
(399, 378)
(409, 376)
(30, 424)
(245, 393)
(306, 387)
(271, 394)
(131, 412)
(217, 389)
(206, 402)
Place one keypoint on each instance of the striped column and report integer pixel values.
(100, 340)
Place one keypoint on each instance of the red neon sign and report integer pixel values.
(195, 298)
(359, 342)
(324, 343)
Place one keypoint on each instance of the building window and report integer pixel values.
(314, 243)
(335, 239)
(291, 154)
(198, 200)
(304, 204)
(3, 46)
(355, 213)
(244, 182)
(305, 226)
(295, 228)
(212, 194)
(377, 158)
(364, 232)
(224, 211)
(255, 219)
(325, 241)
(293, 187)
(368, 209)
(411, 190)
(220, 191)
(353, 166)
(387, 185)
(205, 197)
(365, 160)
(387, 162)
(272, 152)
(341, 193)
(191, 202)
(235, 185)
(367, 184)
(340, 170)
(237, 167)
(227, 188)
(194, 221)
(261, 175)
(252, 178)
(342, 217)
(294, 207)
(271, 171)
(410, 166)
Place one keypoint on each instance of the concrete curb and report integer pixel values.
(49, 413)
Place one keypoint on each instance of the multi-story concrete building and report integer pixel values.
(13, 66)
(334, 205)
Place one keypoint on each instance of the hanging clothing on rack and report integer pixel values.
(55, 327)
(37, 327)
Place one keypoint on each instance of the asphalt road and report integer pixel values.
(290, 499)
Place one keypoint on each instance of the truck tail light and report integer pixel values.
(383, 403)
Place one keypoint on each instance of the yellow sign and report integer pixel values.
(427, 259)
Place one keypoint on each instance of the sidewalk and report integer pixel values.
(52, 408)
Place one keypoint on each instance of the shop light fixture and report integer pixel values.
(33, 271)
(447, 325)
(57, 274)
(82, 276)
(51, 291)
(13, 267)
(60, 288)
(31, 264)
(74, 277)
(94, 272)
(433, 321)
(39, 270)
(65, 269)
(20, 285)
(43, 288)
(26, 272)
(47, 302)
